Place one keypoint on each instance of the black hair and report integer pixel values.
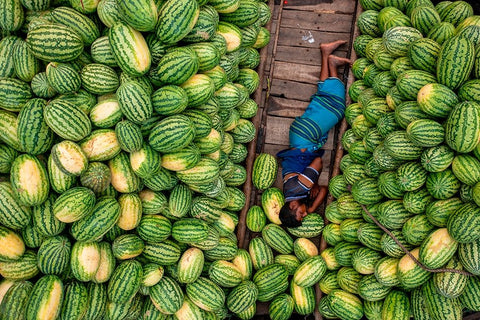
(288, 217)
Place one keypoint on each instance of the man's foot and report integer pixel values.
(329, 48)
(334, 61)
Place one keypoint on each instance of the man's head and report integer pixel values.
(292, 213)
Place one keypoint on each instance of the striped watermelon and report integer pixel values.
(78, 22)
(14, 300)
(134, 102)
(45, 298)
(176, 19)
(34, 136)
(410, 82)
(461, 224)
(270, 280)
(437, 249)
(409, 273)
(397, 39)
(423, 54)
(437, 158)
(261, 254)
(264, 171)
(367, 24)
(205, 27)
(255, 219)
(396, 306)
(345, 305)
(164, 253)
(14, 94)
(13, 247)
(310, 271)
(436, 100)
(470, 297)
(281, 307)
(455, 13)
(172, 134)
(169, 100)
(304, 298)
(127, 246)
(400, 65)
(461, 131)
(225, 273)
(455, 62)
(66, 120)
(29, 180)
(371, 290)
(26, 65)
(130, 49)
(451, 285)
(205, 294)
(74, 301)
(23, 268)
(102, 218)
(369, 235)
(102, 52)
(304, 249)
(411, 176)
(42, 41)
(242, 296)
(424, 18)
(466, 168)
(277, 238)
(438, 306)
(167, 295)
(141, 15)
(125, 281)
(386, 271)
(399, 146)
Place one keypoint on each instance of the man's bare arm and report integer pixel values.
(318, 199)
(317, 164)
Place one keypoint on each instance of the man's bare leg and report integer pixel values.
(327, 49)
(334, 62)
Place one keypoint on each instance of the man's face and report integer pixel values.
(300, 209)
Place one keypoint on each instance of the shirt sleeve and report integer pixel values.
(293, 189)
(308, 177)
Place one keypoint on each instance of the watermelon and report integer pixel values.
(455, 62)
(264, 171)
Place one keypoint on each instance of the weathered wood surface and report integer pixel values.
(308, 38)
(306, 56)
(327, 6)
(289, 78)
(310, 20)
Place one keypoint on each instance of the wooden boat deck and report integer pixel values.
(289, 72)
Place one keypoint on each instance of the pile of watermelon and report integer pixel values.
(123, 127)
(413, 162)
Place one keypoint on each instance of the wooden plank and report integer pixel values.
(308, 38)
(278, 128)
(298, 72)
(308, 56)
(292, 89)
(277, 132)
(310, 20)
(338, 6)
(288, 108)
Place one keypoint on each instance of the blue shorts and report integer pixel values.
(294, 160)
(326, 109)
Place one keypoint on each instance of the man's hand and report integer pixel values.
(318, 199)
(314, 191)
